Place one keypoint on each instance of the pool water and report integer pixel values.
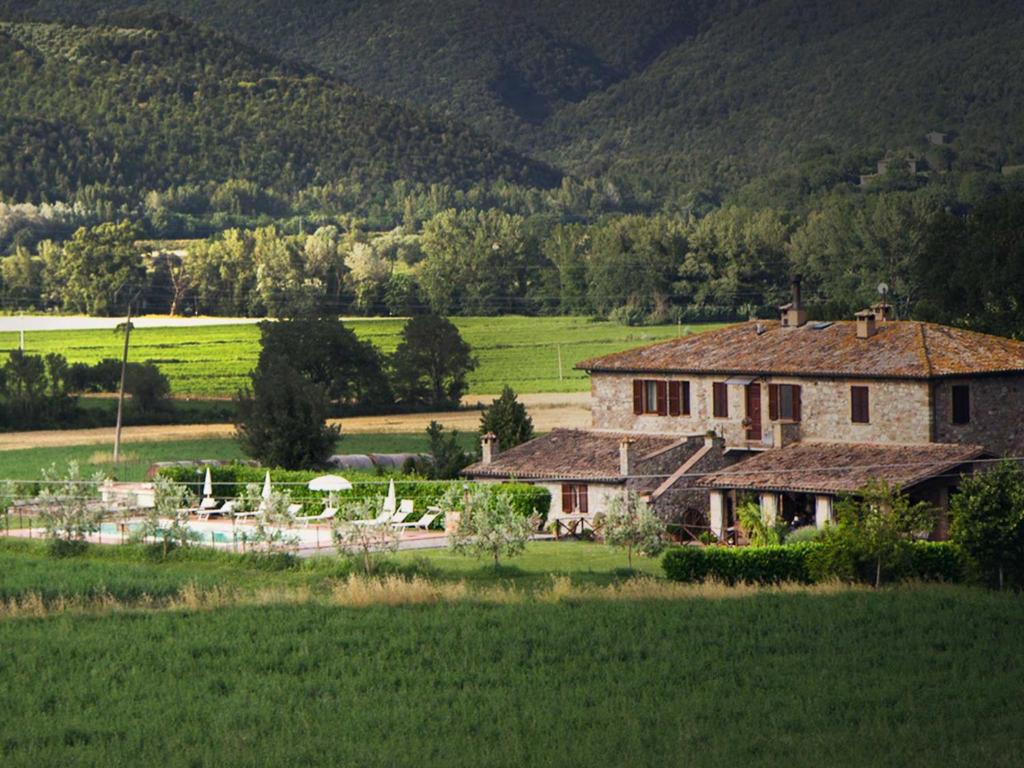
(205, 537)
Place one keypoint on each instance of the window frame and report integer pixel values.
(719, 397)
(578, 493)
(857, 405)
(960, 407)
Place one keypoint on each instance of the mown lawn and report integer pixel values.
(215, 360)
(137, 457)
(905, 677)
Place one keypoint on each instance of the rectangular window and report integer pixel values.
(720, 400)
(784, 402)
(679, 398)
(860, 410)
(574, 499)
(961, 404)
(650, 396)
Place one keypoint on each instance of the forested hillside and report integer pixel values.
(136, 109)
(695, 97)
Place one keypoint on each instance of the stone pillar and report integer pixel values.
(488, 448)
(717, 513)
(769, 508)
(822, 511)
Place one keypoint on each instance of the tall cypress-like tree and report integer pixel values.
(506, 417)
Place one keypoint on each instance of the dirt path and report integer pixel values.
(547, 410)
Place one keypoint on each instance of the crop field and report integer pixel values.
(28, 463)
(331, 671)
(214, 360)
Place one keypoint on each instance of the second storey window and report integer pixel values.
(664, 398)
(860, 409)
(720, 400)
(784, 402)
(961, 404)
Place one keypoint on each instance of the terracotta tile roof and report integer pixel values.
(840, 467)
(900, 349)
(572, 454)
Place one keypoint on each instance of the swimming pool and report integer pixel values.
(204, 536)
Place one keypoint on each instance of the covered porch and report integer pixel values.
(799, 484)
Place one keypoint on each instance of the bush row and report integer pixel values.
(230, 481)
(806, 563)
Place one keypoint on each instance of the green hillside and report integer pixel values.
(694, 95)
(141, 108)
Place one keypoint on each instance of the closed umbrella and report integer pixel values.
(208, 484)
(391, 502)
(266, 491)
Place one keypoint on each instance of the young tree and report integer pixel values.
(447, 458)
(370, 543)
(171, 502)
(70, 504)
(877, 523)
(631, 523)
(506, 417)
(988, 519)
(282, 421)
(98, 267)
(489, 524)
(431, 363)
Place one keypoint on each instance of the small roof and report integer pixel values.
(898, 350)
(572, 454)
(836, 468)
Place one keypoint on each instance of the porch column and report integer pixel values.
(717, 513)
(769, 508)
(822, 511)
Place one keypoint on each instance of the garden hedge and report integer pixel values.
(230, 480)
(802, 563)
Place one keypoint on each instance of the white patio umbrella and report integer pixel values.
(208, 484)
(391, 502)
(331, 484)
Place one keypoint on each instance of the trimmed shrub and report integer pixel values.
(807, 562)
(735, 565)
(230, 481)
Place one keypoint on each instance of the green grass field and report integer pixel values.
(918, 676)
(27, 464)
(215, 360)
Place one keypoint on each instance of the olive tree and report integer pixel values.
(71, 506)
(368, 543)
(167, 520)
(489, 523)
(630, 522)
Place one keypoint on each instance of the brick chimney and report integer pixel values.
(866, 327)
(488, 448)
(883, 312)
(793, 314)
(626, 457)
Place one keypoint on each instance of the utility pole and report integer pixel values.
(120, 390)
(559, 348)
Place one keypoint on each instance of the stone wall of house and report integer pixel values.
(997, 414)
(681, 502)
(900, 411)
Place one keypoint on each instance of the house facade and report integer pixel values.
(788, 412)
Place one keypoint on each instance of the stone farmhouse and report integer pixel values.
(790, 412)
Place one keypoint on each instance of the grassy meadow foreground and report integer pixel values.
(215, 360)
(556, 660)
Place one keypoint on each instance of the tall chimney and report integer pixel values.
(488, 448)
(866, 327)
(626, 458)
(883, 312)
(793, 314)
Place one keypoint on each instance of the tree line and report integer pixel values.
(733, 263)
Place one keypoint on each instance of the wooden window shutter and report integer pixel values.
(638, 396)
(675, 391)
(796, 403)
(581, 495)
(860, 409)
(720, 400)
(566, 499)
(662, 389)
(685, 398)
(773, 402)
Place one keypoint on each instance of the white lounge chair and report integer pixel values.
(424, 522)
(208, 502)
(405, 508)
(204, 512)
(327, 514)
(381, 519)
(294, 509)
